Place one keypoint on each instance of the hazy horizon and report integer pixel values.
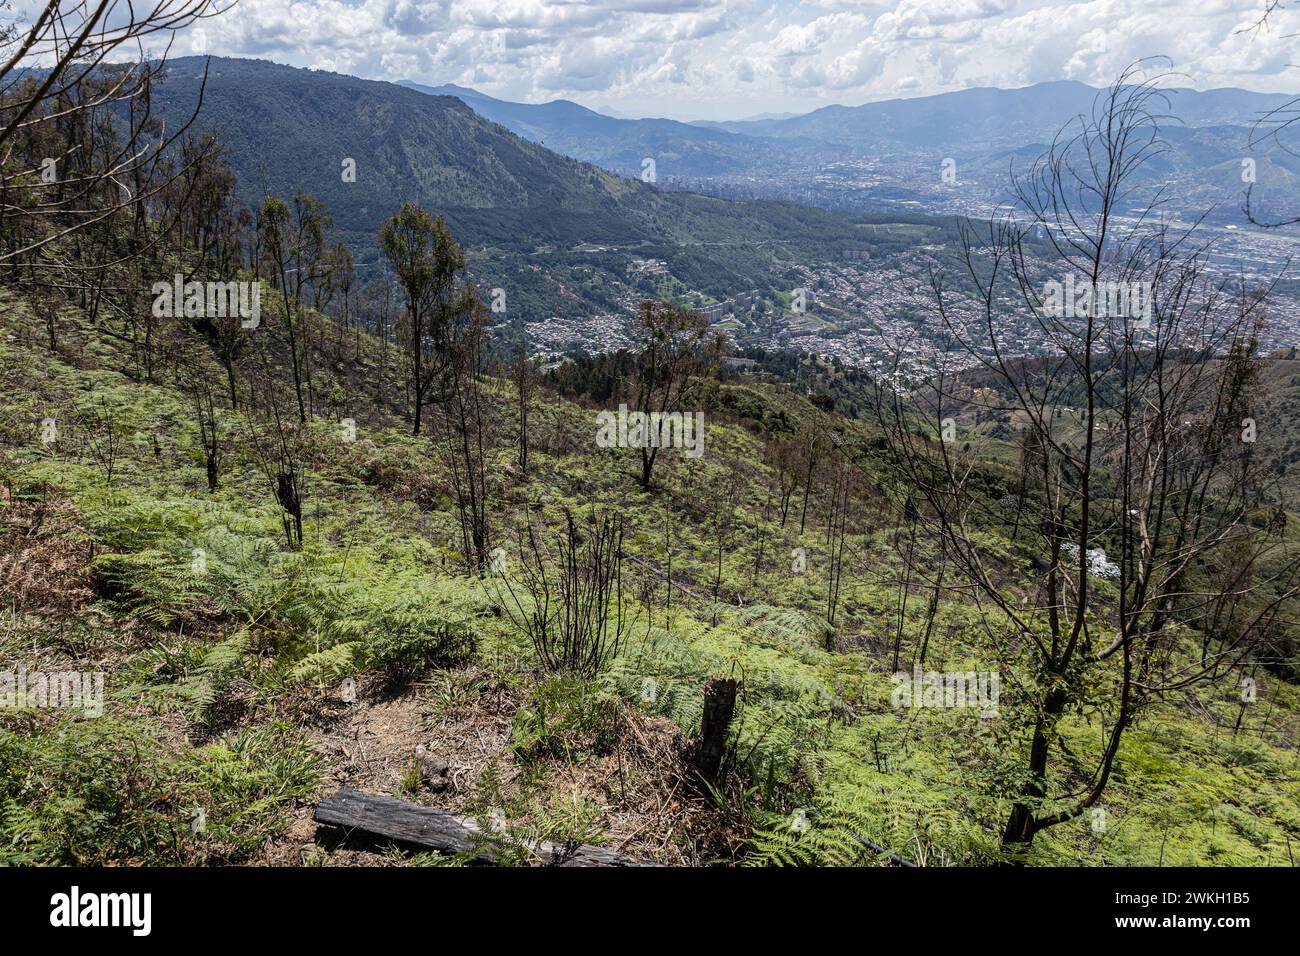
(729, 59)
(615, 112)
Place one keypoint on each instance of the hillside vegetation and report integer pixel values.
(556, 234)
(286, 509)
(226, 676)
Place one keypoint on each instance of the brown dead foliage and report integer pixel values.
(44, 551)
(449, 729)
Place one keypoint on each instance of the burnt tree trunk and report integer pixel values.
(287, 493)
(719, 708)
(1022, 825)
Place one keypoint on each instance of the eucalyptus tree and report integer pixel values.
(675, 349)
(426, 262)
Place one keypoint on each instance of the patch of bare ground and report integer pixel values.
(43, 553)
(432, 742)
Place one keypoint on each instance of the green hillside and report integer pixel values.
(226, 689)
(557, 233)
(288, 519)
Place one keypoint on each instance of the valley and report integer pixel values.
(564, 241)
(397, 479)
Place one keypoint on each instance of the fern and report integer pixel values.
(828, 832)
(330, 663)
(196, 691)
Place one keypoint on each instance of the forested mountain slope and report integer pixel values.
(557, 234)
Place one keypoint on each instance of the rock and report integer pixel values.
(433, 768)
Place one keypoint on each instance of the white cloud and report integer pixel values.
(718, 58)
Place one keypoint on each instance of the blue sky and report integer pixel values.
(713, 59)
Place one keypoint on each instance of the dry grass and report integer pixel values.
(459, 724)
(43, 554)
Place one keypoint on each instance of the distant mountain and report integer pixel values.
(556, 233)
(608, 110)
(617, 144)
(885, 155)
(964, 122)
(990, 117)
(757, 117)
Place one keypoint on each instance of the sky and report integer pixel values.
(731, 59)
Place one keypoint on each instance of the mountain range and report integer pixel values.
(556, 231)
(820, 157)
(614, 143)
(996, 117)
(552, 204)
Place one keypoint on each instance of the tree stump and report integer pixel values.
(719, 708)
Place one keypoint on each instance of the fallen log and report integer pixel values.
(446, 832)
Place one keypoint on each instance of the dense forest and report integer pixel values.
(316, 528)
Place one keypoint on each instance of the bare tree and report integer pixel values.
(103, 437)
(65, 163)
(783, 456)
(195, 382)
(276, 445)
(521, 371)
(814, 448)
(569, 596)
(466, 434)
(839, 517)
(293, 240)
(1137, 504)
(1273, 126)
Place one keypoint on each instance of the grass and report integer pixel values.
(224, 654)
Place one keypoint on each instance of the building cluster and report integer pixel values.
(733, 306)
(648, 267)
(607, 332)
(881, 314)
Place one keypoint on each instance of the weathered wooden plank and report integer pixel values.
(444, 831)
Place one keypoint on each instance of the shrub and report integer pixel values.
(566, 716)
(408, 639)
